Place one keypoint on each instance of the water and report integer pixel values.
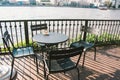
(16, 13)
(21, 13)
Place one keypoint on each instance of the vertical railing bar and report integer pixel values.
(1, 29)
(31, 31)
(53, 26)
(104, 32)
(5, 25)
(110, 31)
(117, 29)
(81, 33)
(57, 26)
(11, 30)
(40, 23)
(26, 32)
(98, 28)
(77, 31)
(73, 30)
(61, 31)
(97, 24)
(113, 33)
(16, 34)
(84, 35)
(49, 25)
(118, 32)
(90, 24)
(65, 26)
(2, 35)
(93, 25)
(62, 26)
(106, 35)
(69, 32)
(36, 24)
(36, 30)
(101, 32)
(6, 30)
(21, 33)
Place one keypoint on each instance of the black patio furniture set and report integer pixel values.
(54, 59)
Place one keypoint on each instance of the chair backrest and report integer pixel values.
(64, 53)
(38, 27)
(91, 30)
(7, 41)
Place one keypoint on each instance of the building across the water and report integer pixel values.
(116, 3)
(72, 3)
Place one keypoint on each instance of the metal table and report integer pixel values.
(51, 38)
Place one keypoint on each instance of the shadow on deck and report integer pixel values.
(106, 67)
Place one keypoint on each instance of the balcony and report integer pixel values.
(106, 67)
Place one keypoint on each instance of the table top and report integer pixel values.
(51, 38)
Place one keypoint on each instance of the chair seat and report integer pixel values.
(40, 44)
(61, 65)
(25, 51)
(84, 44)
(45, 46)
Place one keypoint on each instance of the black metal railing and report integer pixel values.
(20, 30)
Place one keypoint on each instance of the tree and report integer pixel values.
(108, 3)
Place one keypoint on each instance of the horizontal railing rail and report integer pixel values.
(20, 30)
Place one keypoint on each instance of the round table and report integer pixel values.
(5, 71)
(51, 38)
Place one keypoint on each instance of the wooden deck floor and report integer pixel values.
(106, 67)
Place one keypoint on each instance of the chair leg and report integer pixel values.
(12, 69)
(36, 63)
(34, 59)
(47, 77)
(95, 54)
(44, 71)
(78, 74)
(83, 59)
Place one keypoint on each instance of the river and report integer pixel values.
(20, 13)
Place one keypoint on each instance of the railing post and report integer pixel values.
(85, 33)
(26, 32)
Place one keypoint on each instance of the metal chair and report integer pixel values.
(85, 44)
(59, 60)
(17, 52)
(36, 29)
